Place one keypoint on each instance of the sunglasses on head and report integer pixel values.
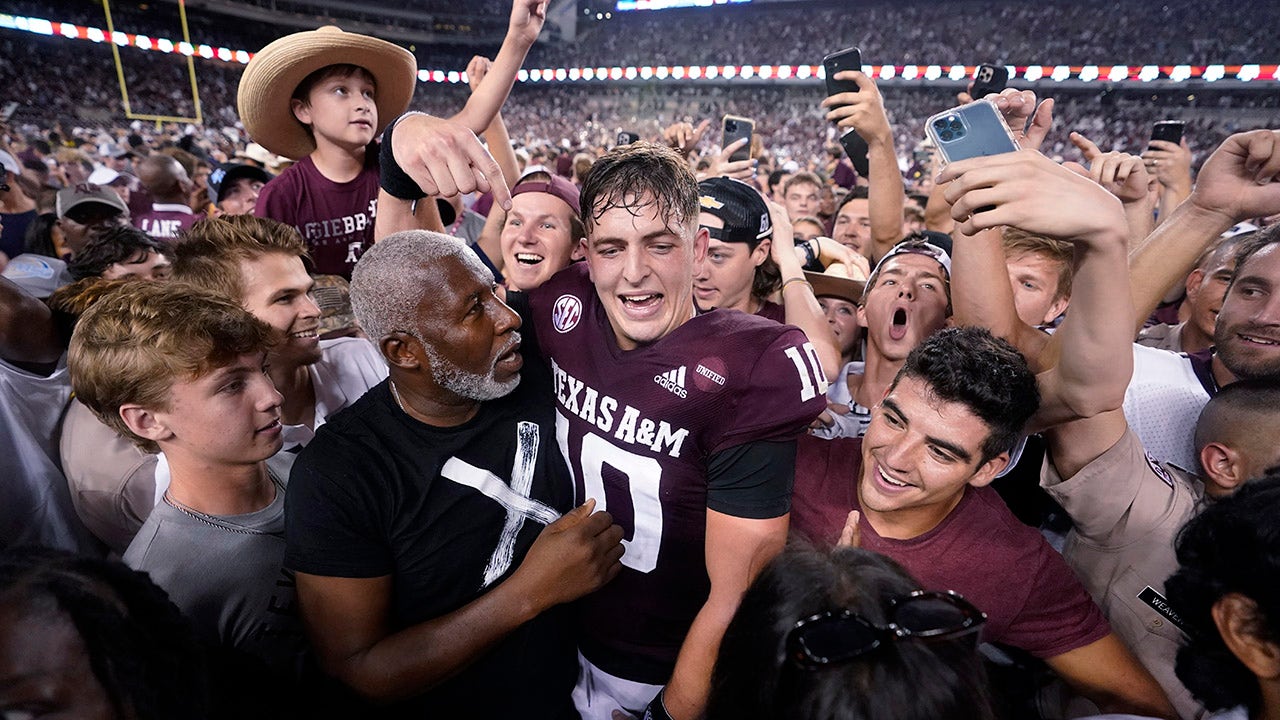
(838, 636)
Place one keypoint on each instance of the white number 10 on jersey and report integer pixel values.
(812, 380)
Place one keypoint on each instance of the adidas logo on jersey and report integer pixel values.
(673, 380)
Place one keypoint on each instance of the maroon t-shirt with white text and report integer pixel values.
(335, 219)
(1008, 570)
(165, 221)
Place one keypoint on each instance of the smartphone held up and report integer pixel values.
(855, 147)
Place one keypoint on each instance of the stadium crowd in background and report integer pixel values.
(357, 400)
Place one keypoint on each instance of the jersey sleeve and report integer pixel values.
(333, 520)
(784, 391)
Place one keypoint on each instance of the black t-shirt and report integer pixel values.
(378, 493)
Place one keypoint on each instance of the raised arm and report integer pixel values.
(1170, 164)
(527, 17)
(347, 618)
(801, 307)
(1028, 191)
(864, 112)
(495, 135)
(1124, 176)
(1238, 182)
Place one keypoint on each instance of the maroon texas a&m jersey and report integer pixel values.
(640, 429)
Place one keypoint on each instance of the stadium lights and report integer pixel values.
(909, 73)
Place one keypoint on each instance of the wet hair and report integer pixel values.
(1252, 245)
(1232, 547)
(143, 652)
(635, 176)
(387, 284)
(984, 373)
(1221, 247)
(907, 679)
(116, 244)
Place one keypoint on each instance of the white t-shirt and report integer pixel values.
(1163, 402)
(35, 505)
(347, 369)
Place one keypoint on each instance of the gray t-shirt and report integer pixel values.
(224, 573)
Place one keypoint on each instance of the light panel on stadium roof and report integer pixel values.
(909, 74)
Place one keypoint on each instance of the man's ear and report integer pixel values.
(1058, 307)
(301, 111)
(701, 239)
(145, 423)
(1240, 627)
(989, 470)
(1223, 469)
(1192, 285)
(401, 350)
(761, 253)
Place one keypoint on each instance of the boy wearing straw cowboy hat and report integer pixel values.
(322, 96)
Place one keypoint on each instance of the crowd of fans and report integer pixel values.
(358, 400)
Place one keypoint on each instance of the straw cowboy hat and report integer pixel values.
(276, 71)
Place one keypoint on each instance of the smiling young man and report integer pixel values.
(259, 263)
(542, 232)
(197, 389)
(681, 424)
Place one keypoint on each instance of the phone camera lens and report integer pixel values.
(731, 126)
(956, 124)
(946, 135)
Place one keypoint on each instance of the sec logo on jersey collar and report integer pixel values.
(566, 313)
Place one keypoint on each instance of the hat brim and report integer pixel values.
(844, 288)
(270, 78)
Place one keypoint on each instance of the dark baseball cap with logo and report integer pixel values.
(743, 212)
(226, 175)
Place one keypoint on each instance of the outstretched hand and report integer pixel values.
(445, 158)
(1121, 174)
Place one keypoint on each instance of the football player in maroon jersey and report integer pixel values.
(682, 423)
